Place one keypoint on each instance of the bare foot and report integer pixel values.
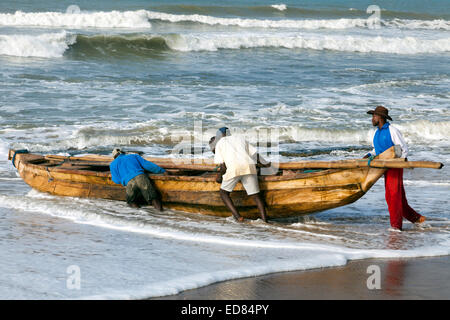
(421, 220)
(158, 205)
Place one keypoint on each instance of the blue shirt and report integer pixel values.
(382, 139)
(127, 166)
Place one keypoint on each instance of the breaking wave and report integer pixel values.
(51, 45)
(48, 45)
(395, 45)
(343, 23)
(422, 132)
(140, 19)
(284, 10)
(111, 19)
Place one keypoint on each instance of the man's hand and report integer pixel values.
(267, 165)
(261, 162)
(221, 172)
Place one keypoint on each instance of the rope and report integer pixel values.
(50, 178)
(15, 153)
(370, 160)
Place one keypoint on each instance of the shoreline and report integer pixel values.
(406, 278)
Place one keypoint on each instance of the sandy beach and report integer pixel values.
(418, 278)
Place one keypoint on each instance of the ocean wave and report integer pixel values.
(163, 141)
(343, 23)
(111, 19)
(426, 183)
(291, 11)
(437, 24)
(394, 45)
(140, 19)
(280, 7)
(51, 45)
(260, 23)
(187, 43)
(118, 46)
(48, 45)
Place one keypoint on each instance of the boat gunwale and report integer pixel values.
(107, 174)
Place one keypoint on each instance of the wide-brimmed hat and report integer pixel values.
(381, 111)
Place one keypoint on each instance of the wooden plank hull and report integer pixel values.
(285, 195)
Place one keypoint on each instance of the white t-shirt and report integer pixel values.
(237, 154)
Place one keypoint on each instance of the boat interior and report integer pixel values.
(99, 166)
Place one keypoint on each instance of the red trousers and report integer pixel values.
(396, 199)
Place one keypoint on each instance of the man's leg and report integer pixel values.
(132, 193)
(408, 213)
(394, 197)
(251, 185)
(225, 195)
(158, 204)
(260, 204)
(149, 192)
(226, 188)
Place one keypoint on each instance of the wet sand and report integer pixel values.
(418, 278)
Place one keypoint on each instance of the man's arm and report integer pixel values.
(221, 172)
(115, 176)
(150, 166)
(262, 162)
(397, 139)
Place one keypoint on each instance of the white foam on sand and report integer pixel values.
(281, 255)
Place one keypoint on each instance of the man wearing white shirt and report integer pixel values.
(385, 137)
(237, 159)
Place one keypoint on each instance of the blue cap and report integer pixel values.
(224, 130)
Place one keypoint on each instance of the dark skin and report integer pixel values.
(377, 121)
(157, 203)
(225, 195)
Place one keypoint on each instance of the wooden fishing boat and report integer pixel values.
(294, 190)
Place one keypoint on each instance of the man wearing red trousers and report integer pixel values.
(385, 137)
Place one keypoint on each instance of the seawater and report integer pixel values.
(142, 75)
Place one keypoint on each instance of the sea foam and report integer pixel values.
(51, 45)
(364, 44)
(343, 23)
(111, 19)
(48, 45)
(280, 7)
(296, 255)
(140, 19)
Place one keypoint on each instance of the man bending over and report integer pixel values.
(236, 159)
(129, 170)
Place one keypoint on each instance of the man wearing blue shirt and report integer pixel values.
(385, 137)
(129, 171)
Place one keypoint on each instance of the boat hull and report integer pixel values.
(284, 195)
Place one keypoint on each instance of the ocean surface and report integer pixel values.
(80, 77)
